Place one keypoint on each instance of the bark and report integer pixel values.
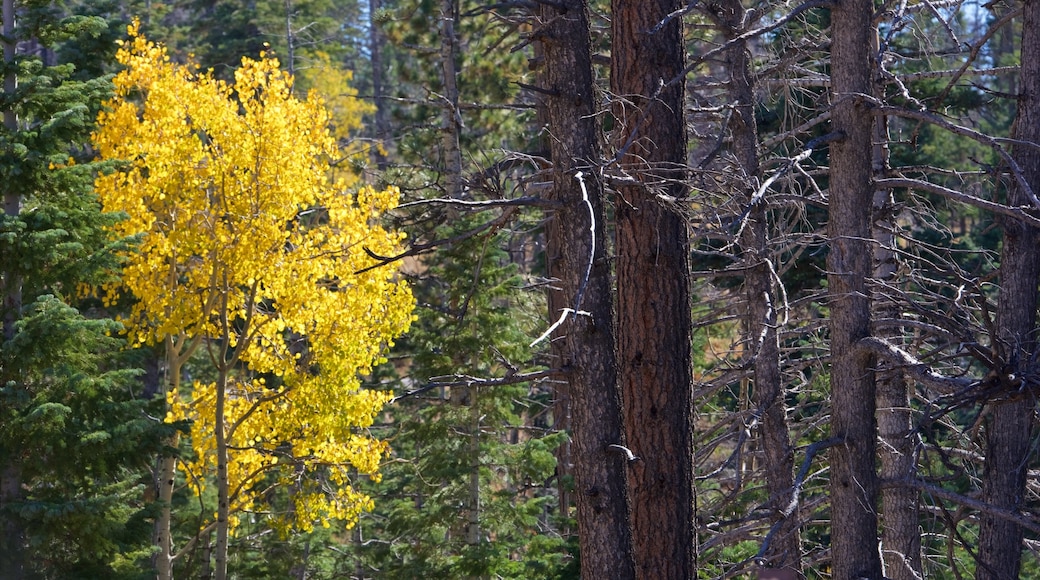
(166, 476)
(177, 352)
(853, 481)
(899, 442)
(223, 502)
(761, 323)
(376, 44)
(653, 284)
(1009, 426)
(451, 117)
(584, 345)
(12, 543)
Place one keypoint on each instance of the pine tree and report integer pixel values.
(74, 431)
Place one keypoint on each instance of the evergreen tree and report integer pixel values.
(74, 431)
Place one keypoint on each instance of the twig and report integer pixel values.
(998, 208)
(796, 490)
(917, 369)
(968, 502)
(588, 269)
(468, 381)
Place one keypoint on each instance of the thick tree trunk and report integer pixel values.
(12, 543)
(584, 344)
(853, 480)
(653, 284)
(761, 330)
(1009, 426)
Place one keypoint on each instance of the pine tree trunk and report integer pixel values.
(451, 123)
(376, 44)
(1009, 426)
(653, 284)
(899, 443)
(761, 325)
(853, 480)
(12, 543)
(584, 345)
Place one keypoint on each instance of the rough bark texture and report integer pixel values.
(1009, 426)
(653, 284)
(853, 481)
(761, 331)
(584, 345)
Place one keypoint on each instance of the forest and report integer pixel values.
(656, 289)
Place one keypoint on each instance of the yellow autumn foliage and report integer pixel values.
(249, 245)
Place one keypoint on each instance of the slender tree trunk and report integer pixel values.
(376, 44)
(761, 324)
(12, 543)
(1009, 426)
(899, 443)
(584, 344)
(653, 284)
(223, 502)
(167, 472)
(853, 480)
(451, 124)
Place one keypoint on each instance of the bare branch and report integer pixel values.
(998, 208)
(915, 368)
(1028, 523)
(510, 378)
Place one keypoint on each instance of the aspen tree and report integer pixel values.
(248, 249)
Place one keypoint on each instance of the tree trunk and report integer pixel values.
(167, 473)
(853, 480)
(761, 330)
(653, 284)
(578, 265)
(177, 352)
(1009, 427)
(223, 501)
(899, 443)
(12, 543)
(376, 44)
(451, 116)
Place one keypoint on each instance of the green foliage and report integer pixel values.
(463, 455)
(83, 441)
(72, 422)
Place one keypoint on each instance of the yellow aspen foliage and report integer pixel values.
(248, 244)
(332, 82)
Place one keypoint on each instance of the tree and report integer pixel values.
(653, 283)
(576, 255)
(74, 431)
(1010, 425)
(853, 480)
(249, 253)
